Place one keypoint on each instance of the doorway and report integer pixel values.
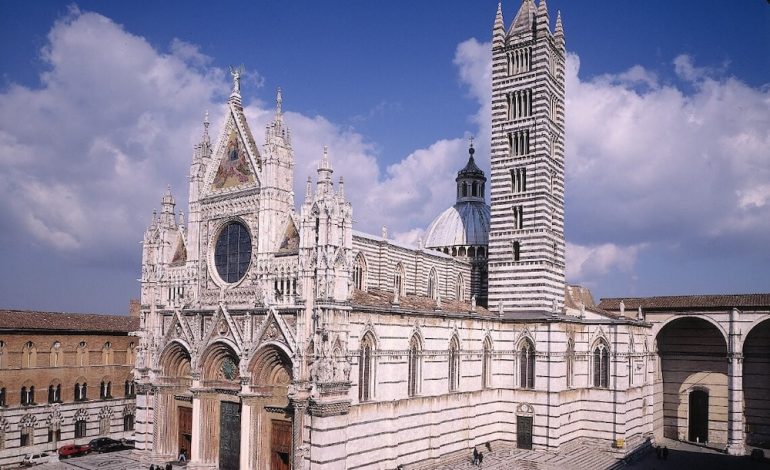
(524, 432)
(699, 416)
(185, 431)
(280, 445)
(229, 436)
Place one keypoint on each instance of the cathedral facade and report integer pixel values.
(274, 335)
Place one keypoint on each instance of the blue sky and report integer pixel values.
(668, 177)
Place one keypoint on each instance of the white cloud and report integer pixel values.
(585, 263)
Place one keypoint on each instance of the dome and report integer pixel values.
(465, 223)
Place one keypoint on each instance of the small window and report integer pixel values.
(80, 428)
(527, 365)
(432, 284)
(454, 364)
(414, 366)
(128, 422)
(516, 251)
(486, 364)
(27, 436)
(359, 273)
(365, 369)
(601, 359)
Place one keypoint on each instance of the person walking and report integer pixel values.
(481, 458)
(475, 456)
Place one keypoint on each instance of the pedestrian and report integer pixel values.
(168, 466)
(489, 447)
(665, 453)
(481, 458)
(657, 452)
(152, 467)
(475, 456)
(182, 455)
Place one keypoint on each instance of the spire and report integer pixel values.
(498, 32)
(559, 30)
(206, 138)
(308, 189)
(278, 103)
(543, 20)
(524, 18)
(470, 180)
(167, 204)
(324, 173)
(341, 188)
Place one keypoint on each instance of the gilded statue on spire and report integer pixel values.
(236, 73)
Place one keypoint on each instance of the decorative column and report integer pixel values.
(735, 445)
(297, 440)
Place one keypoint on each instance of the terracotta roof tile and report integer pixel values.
(379, 298)
(688, 302)
(16, 320)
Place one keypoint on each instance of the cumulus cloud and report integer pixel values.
(588, 263)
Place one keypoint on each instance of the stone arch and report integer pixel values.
(359, 272)
(756, 382)
(751, 328)
(660, 326)
(175, 360)
(219, 364)
(692, 352)
(271, 365)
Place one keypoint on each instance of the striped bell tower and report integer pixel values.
(526, 242)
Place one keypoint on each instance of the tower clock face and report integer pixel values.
(232, 252)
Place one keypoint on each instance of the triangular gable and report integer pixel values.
(236, 159)
(222, 326)
(274, 328)
(178, 329)
(289, 243)
(180, 253)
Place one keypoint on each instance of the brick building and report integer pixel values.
(64, 378)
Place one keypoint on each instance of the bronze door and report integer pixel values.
(524, 432)
(185, 430)
(229, 436)
(280, 445)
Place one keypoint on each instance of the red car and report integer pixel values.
(73, 450)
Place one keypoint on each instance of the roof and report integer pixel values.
(378, 298)
(689, 302)
(464, 224)
(27, 320)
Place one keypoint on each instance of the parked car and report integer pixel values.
(104, 444)
(73, 450)
(37, 459)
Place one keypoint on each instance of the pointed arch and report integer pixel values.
(399, 280)
(359, 272)
(366, 367)
(600, 359)
(29, 355)
(414, 365)
(219, 365)
(526, 358)
(175, 361)
(486, 363)
(460, 288)
(454, 364)
(570, 360)
(271, 366)
(433, 284)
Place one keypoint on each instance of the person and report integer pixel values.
(481, 458)
(182, 455)
(152, 467)
(665, 453)
(657, 452)
(168, 466)
(475, 456)
(489, 447)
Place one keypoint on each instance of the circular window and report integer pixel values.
(232, 252)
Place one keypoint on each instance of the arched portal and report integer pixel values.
(693, 362)
(756, 383)
(174, 426)
(269, 413)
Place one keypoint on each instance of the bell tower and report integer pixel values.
(526, 242)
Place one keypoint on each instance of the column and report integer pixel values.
(297, 440)
(735, 445)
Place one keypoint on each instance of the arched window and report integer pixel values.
(359, 272)
(54, 393)
(414, 366)
(465, 189)
(460, 286)
(601, 364)
(104, 425)
(128, 422)
(398, 281)
(432, 284)
(80, 427)
(486, 364)
(570, 359)
(454, 364)
(28, 355)
(475, 189)
(107, 354)
(56, 355)
(366, 369)
(105, 389)
(130, 390)
(81, 356)
(27, 396)
(527, 365)
(130, 354)
(81, 391)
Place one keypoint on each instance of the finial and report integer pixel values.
(279, 102)
(168, 190)
(471, 150)
(341, 188)
(236, 73)
(384, 232)
(325, 161)
(206, 119)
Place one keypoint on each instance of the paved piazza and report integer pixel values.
(124, 460)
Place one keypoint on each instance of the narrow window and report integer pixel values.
(601, 359)
(454, 364)
(359, 272)
(527, 365)
(128, 422)
(570, 362)
(432, 284)
(80, 428)
(486, 364)
(516, 251)
(365, 369)
(414, 366)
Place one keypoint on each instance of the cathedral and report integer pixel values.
(274, 335)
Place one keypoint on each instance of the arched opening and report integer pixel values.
(756, 383)
(527, 364)
(570, 359)
(398, 280)
(692, 356)
(175, 364)
(359, 272)
(454, 364)
(486, 364)
(432, 284)
(601, 364)
(366, 366)
(414, 366)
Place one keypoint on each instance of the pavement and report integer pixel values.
(685, 456)
(121, 460)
